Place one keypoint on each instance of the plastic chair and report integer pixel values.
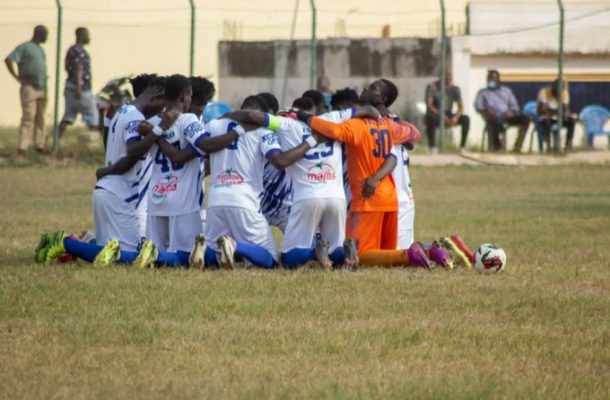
(594, 118)
(530, 109)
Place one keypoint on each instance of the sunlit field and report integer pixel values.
(539, 330)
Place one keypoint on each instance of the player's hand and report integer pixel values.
(145, 128)
(369, 187)
(23, 81)
(169, 117)
(78, 94)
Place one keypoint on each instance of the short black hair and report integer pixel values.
(303, 103)
(80, 31)
(314, 95)
(203, 89)
(255, 102)
(140, 82)
(274, 105)
(175, 86)
(343, 96)
(493, 71)
(391, 92)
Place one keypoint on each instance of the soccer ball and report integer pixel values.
(489, 258)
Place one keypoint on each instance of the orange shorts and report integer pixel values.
(373, 230)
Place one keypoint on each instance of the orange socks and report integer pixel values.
(384, 258)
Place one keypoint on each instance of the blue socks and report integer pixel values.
(255, 254)
(82, 250)
(297, 257)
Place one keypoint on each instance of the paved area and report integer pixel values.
(588, 157)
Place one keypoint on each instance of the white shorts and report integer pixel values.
(243, 225)
(175, 233)
(115, 219)
(406, 220)
(306, 216)
(204, 218)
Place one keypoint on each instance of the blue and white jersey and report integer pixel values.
(319, 173)
(402, 179)
(176, 189)
(337, 117)
(236, 172)
(123, 130)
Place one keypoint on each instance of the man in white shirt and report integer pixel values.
(118, 193)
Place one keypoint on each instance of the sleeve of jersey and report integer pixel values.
(270, 144)
(341, 132)
(403, 132)
(131, 131)
(193, 133)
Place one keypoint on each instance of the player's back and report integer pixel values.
(319, 173)
(176, 188)
(368, 145)
(123, 130)
(236, 172)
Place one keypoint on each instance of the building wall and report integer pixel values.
(133, 36)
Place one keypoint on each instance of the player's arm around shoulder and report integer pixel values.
(283, 159)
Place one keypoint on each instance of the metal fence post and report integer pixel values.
(441, 117)
(314, 45)
(57, 64)
(192, 51)
(560, 73)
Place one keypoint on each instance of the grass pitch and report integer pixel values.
(540, 330)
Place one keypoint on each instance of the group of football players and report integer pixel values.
(334, 181)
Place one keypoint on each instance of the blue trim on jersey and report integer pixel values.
(268, 154)
(392, 155)
(132, 198)
(142, 194)
(99, 187)
(133, 139)
(150, 163)
(194, 150)
(353, 112)
(266, 120)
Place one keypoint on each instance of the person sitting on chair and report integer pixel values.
(548, 109)
(499, 108)
(433, 105)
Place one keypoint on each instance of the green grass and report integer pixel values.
(540, 330)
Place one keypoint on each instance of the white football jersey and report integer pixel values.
(123, 130)
(402, 178)
(319, 173)
(337, 117)
(176, 189)
(236, 172)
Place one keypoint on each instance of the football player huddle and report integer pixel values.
(334, 182)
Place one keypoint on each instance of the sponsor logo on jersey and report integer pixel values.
(192, 129)
(132, 126)
(165, 186)
(229, 177)
(321, 172)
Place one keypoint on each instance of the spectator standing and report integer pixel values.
(77, 92)
(453, 97)
(548, 110)
(499, 108)
(32, 75)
